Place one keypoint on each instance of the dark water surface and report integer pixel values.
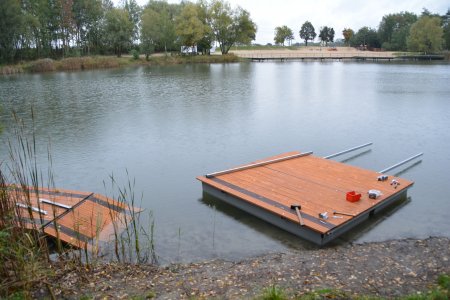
(166, 125)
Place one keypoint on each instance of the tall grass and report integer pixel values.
(128, 228)
(24, 253)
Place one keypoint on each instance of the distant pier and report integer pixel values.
(313, 56)
(333, 54)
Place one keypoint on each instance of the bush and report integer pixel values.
(135, 54)
(42, 65)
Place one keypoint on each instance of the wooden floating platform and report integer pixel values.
(80, 219)
(268, 189)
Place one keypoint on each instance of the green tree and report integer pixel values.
(244, 27)
(426, 35)
(365, 37)
(307, 32)
(157, 27)
(230, 26)
(189, 27)
(165, 24)
(205, 44)
(446, 28)
(87, 16)
(326, 35)
(118, 30)
(134, 13)
(150, 34)
(348, 34)
(10, 26)
(283, 34)
(66, 24)
(394, 29)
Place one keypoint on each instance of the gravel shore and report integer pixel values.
(386, 269)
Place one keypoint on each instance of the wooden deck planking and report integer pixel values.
(317, 184)
(337, 176)
(289, 197)
(274, 190)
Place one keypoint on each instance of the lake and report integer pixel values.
(167, 125)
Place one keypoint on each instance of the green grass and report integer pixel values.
(440, 291)
(273, 293)
(325, 294)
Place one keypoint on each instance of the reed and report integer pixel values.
(24, 253)
(128, 244)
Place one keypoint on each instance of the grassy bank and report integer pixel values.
(104, 62)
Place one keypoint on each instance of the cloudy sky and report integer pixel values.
(268, 14)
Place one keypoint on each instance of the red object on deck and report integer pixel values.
(353, 196)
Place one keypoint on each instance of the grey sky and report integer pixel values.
(268, 14)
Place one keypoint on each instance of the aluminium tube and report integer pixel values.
(347, 151)
(400, 163)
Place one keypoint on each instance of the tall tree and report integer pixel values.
(150, 33)
(157, 26)
(118, 30)
(426, 35)
(244, 27)
(230, 26)
(10, 26)
(446, 27)
(87, 15)
(394, 30)
(189, 27)
(326, 35)
(307, 32)
(348, 34)
(205, 43)
(66, 24)
(366, 37)
(134, 13)
(283, 34)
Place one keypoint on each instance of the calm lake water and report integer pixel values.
(166, 125)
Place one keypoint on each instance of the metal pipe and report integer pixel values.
(62, 205)
(401, 163)
(35, 209)
(347, 151)
(257, 164)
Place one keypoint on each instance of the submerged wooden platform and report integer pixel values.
(80, 219)
(318, 185)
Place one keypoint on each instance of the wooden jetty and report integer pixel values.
(80, 219)
(324, 55)
(315, 198)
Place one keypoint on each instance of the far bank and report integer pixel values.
(105, 62)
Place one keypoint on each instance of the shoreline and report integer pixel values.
(235, 55)
(393, 268)
(47, 65)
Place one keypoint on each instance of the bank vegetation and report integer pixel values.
(31, 30)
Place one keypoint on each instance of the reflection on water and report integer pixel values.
(167, 125)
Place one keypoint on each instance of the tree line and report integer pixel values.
(404, 31)
(32, 29)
